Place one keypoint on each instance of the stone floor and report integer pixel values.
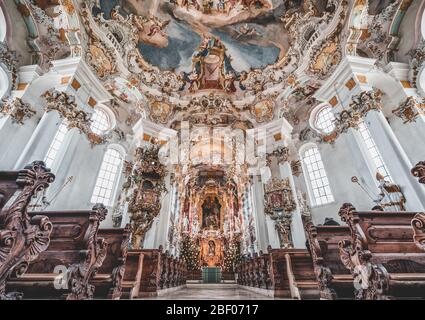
(213, 292)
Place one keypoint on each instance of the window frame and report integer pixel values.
(62, 147)
(122, 153)
(367, 156)
(309, 182)
(314, 118)
(110, 119)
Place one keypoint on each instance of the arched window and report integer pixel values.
(101, 121)
(4, 83)
(324, 120)
(3, 26)
(108, 177)
(56, 144)
(373, 151)
(320, 191)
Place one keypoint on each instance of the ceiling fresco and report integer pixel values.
(215, 62)
(172, 50)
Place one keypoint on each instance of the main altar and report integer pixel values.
(211, 220)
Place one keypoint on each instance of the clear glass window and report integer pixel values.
(325, 120)
(107, 178)
(56, 144)
(321, 191)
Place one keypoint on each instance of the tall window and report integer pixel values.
(373, 151)
(100, 122)
(56, 144)
(4, 83)
(320, 190)
(107, 178)
(3, 26)
(325, 120)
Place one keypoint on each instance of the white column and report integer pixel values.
(297, 227)
(37, 146)
(149, 242)
(164, 217)
(258, 211)
(396, 159)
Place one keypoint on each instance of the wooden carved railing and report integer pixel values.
(80, 274)
(370, 280)
(418, 222)
(295, 292)
(119, 270)
(22, 238)
(323, 273)
(419, 171)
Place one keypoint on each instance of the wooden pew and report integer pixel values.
(151, 272)
(66, 269)
(335, 281)
(293, 274)
(22, 236)
(132, 274)
(381, 254)
(418, 225)
(160, 271)
(418, 222)
(108, 280)
(286, 273)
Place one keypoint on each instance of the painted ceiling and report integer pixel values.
(213, 62)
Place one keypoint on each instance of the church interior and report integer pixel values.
(208, 149)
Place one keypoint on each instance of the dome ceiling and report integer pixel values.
(177, 57)
(242, 64)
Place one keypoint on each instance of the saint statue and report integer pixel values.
(211, 248)
(390, 195)
(195, 226)
(185, 224)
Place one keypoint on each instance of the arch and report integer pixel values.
(322, 119)
(4, 83)
(420, 82)
(118, 147)
(3, 26)
(423, 25)
(103, 120)
(392, 89)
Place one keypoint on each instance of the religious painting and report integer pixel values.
(211, 213)
(212, 248)
(160, 111)
(210, 44)
(263, 110)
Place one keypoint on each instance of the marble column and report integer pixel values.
(164, 216)
(149, 241)
(260, 217)
(297, 227)
(396, 160)
(38, 145)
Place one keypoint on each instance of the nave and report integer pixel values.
(199, 149)
(226, 291)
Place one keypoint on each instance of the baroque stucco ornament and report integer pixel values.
(18, 110)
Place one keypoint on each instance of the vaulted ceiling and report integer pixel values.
(242, 64)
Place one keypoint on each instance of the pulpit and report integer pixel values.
(211, 274)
